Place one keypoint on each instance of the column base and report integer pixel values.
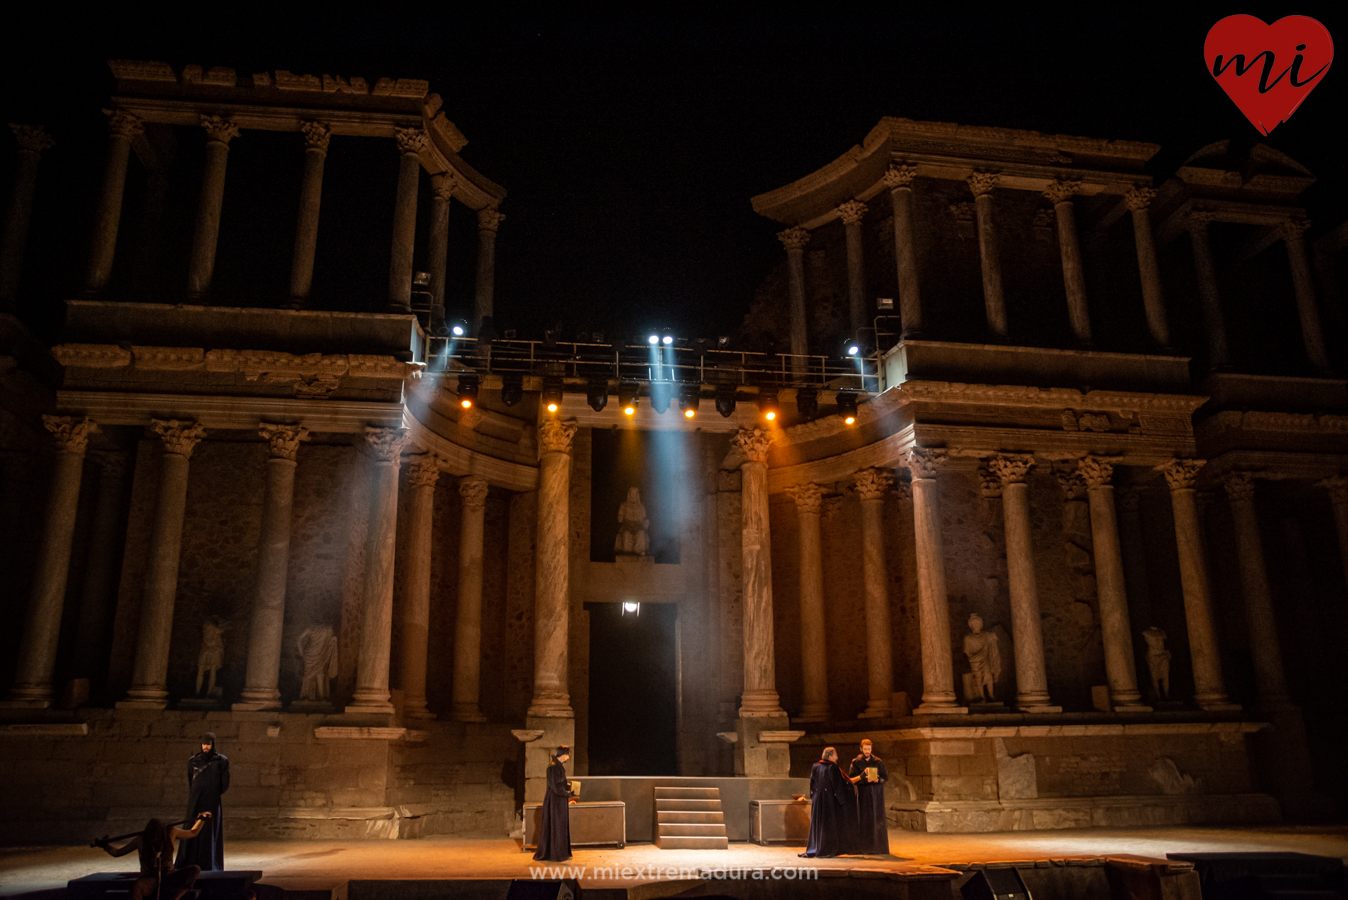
(761, 704)
(1133, 708)
(24, 703)
(417, 711)
(755, 758)
(145, 698)
(1039, 710)
(31, 696)
(467, 712)
(537, 753)
(875, 712)
(366, 703)
(940, 709)
(813, 712)
(248, 704)
(1222, 705)
(142, 704)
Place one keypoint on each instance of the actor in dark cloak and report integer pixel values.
(554, 830)
(833, 809)
(158, 878)
(207, 780)
(873, 834)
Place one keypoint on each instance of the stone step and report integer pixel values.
(692, 843)
(675, 829)
(687, 793)
(677, 817)
(687, 805)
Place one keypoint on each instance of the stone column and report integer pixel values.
(122, 130)
(871, 486)
(46, 600)
(437, 247)
(982, 183)
(899, 180)
(468, 621)
(1060, 194)
(96, 595)
(795, 240)
(1197, 221)
(1027, 633)
(933, 611)
(422, 474)
(1209, 691)
(1128, 503)
(1294, 236)
(201, 266)
(552, 618)
(760, 676)
(851, 214)
(1153, 301)
(813, 647)
(261, 681)
(489, 220)
(411, 141)
(1269, 675)
(1338, 497)
(316, 137)
(1116, 629)
(371, 696)
(32, 140)
(149, 679)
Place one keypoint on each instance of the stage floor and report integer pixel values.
(321, 866)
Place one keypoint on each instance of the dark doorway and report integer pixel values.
(633, 676)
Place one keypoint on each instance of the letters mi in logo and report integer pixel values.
(1268, 70)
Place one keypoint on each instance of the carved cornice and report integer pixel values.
(473, 490)
(32, 138)
(794, 238)
(981, 183)
(316, 135)
(901, 176)
(384, 443)
(851, 212)
(809, 498)
(872, 484)
(423, 470)
(283, 440)
(555, 436)
(753, 444)
(218, 129)
(71, 432)
(411, 141)
(123, 124)
(923, 462)
(180, 438)
(1098, 471)
(1180, 474)
(1139, 198)
(1239, 485)
(1045, 398)
(1011, 468)
(489, 218)
(1061, 191)
(1337, 487)
(903, 489)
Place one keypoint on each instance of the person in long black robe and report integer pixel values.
(554, 830)
(207, 780)
(833, 809)
(873, 826)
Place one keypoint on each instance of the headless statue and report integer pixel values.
(1158, 662)
(633, 538)
(212, 656)
(318, 649)
(985, 660)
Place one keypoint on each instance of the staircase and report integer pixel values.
(689, 818)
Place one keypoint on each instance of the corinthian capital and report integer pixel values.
(316, 135)
(1199, 218)
(123, 124)
(1139, 198)
(900, 176)
(982, 182)
(283, 440)
(1061, 191)
(219, 129)
(71, 432)
(180, 438)
(410, 140)
(872, 484)
(385, 443)
(554, 436)
(989, 485)
(809, 498)
(33, 138)
(424, 470)
(1239, 485)
(753, 444)
(1337, 487)
(1293, 230)
(442, 187)
(1010, 468)
(1180, 474)
(473, 490)
(1097, 471)
(851, 212)
(794, 238)
(1073, 485)
(923, 462)
(489, 218)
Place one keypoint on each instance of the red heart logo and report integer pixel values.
(1268, 69)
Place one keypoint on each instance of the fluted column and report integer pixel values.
(46, 600)
(1338, 497)
(201, 265)
(122, 130)
(385, 445)
(1270, 677)
(1027, 633)
(316, 137)
(899, 180)
(1210, 300)
(795, 239)
(1153, 301)
(32, 140)
(423, 472)
(871, 486)
(981, 184)
(933, 611)
(760, 675)
(149, 680)
(813, 647)
(851, 214)
(1111, 588)
(1060, 194)
(262, 677)
(468, 621)
(1209, 690)
(489, 220)
(552, 619)
(96, 594)
(1294, 236)
(437, 247)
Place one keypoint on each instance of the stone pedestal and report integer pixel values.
(899, 180)
(756, 758)
(201, 265)
(552, 731)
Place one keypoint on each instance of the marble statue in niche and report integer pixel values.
(318, 650)
(633, 526)
(985, 660)
(212, 656)
(1158, 662)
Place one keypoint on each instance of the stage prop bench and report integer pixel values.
(780, 821)
(592, 824)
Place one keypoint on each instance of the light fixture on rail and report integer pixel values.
(847, 406)
(552, 394)
(668, 339)
(689, 398)
(468, 385)
(458, 328)
(807, 403)
(628, 394)
(662, 392)
(596, 393)
(725, 402)
(512, 389)
(767, 405)
(852, 347)
(654, 339)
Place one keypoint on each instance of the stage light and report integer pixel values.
(631, 609)
(853, 348)
(807, 402)
(458, 328)
(468, 385)
(512, 389)
(725, 402)
(628, 393)
(654, 339)
(596, 393)
(847, 406)
(690, 397)
(552, 394)
(667, 339)
(662, 392)
(767, 405)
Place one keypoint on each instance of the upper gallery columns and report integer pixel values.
(1138, 201)
(32, 140)
(899, 180)
(981, 184)
(316, 138)
(1060, 193)
(795, 239)
(851, 213)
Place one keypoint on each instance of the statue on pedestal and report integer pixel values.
(984, 659)
(1158, 662)
(318, 649)
(212, 656)
(633, 538)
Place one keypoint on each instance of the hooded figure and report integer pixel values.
(833, 809)
(554, 827)
(207, 780)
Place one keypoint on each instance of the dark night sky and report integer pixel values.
(630, 149)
